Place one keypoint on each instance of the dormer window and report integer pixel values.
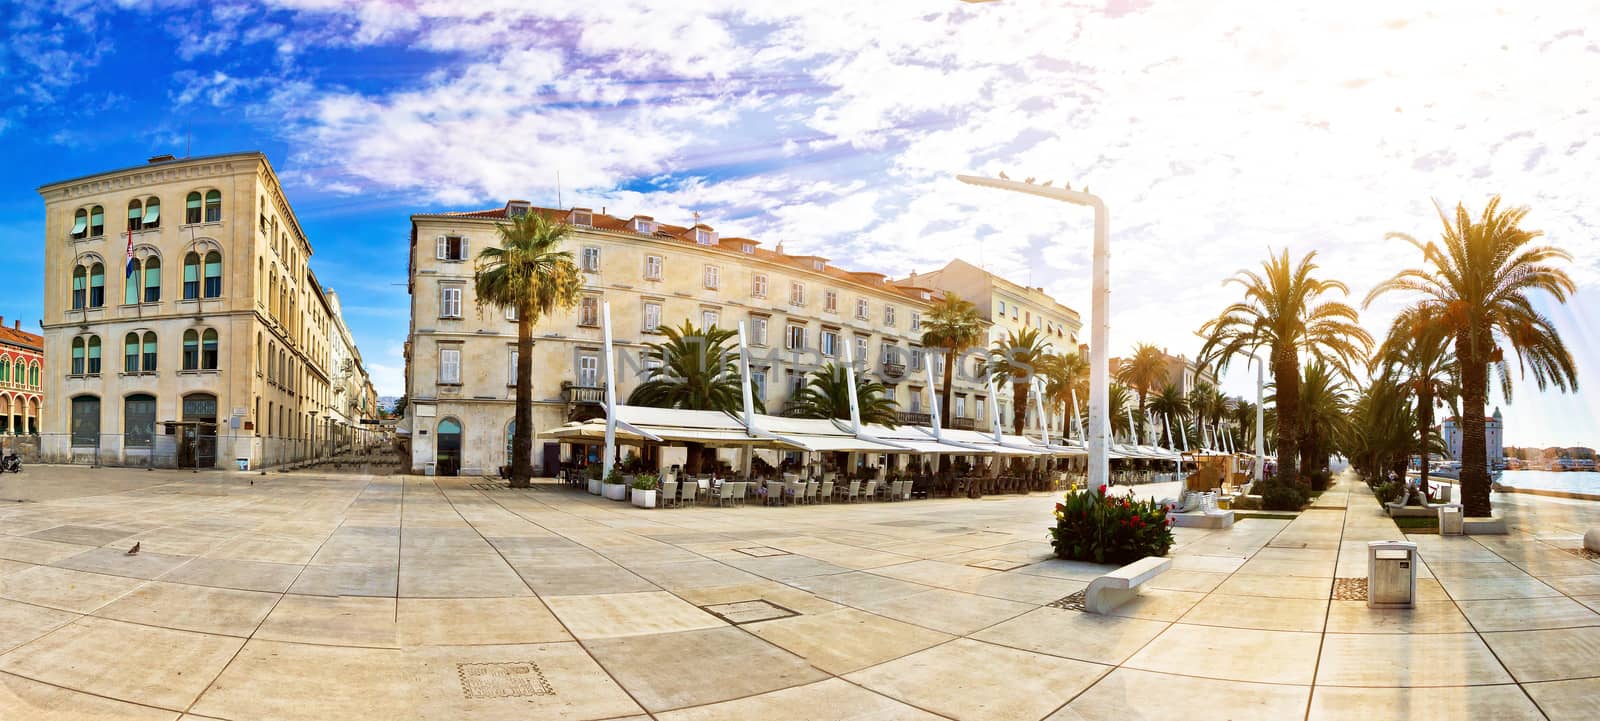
(704, 237)
(749, 248)
(582, 216)
(818, 264)
(640, 225)
(517, 208)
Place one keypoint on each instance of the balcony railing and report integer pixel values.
(894, 370)
(963, 424)
(573, 393)
(915, 418)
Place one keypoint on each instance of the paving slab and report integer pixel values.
(125, 661)
(1126, 695)
(690, 668)
(847, 639)
(974, 681)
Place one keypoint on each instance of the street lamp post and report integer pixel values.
(1099, 314)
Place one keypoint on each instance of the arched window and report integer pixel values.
(272, 362)
(191, 209)
(94, 355)
(33, 375)
(139, 420)
(261, 270)
(5, 370)
(152, 279)
(77, 356)
(152, 212)
(213, 286)
(130, 353)
(208, 350)
(213, 206)
(86, 421)
(191, 276)
(191, 350)
(97, 221)
(97, 285)
(80, 224)
(149, 352)
(258, 367)
(135, 215)
(80, 287)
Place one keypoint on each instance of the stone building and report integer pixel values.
(1181, 372)
(800, 311)
(183, 323)
(21, 379)
(1493, 438)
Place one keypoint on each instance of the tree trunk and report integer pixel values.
(1424, 430)
(1474, 454)
(522, 442)
(1019, 407)
(1286, 376)
(1138, 418)
(947, 412)
(691, 461)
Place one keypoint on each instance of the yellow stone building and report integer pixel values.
(183, 325)
(800, 310)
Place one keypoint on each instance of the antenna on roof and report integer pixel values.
(558, 189)
(697, 217)
(188, 143)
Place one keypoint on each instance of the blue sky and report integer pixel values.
(1215, 130)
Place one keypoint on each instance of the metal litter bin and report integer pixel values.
(1450, 520)
(1391, 574)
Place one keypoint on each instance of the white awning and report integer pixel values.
(152, 213)
(836, 443)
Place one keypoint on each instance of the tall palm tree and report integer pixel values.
(1480, 277)
(1284, 313)
(1208, 405)
(1119, 398)
(526, 273)
(826, 394)
(1065, 376)
(1143, 371)
(1170, 405)
(694, 369)
(1383, 421)
(953, 325)
(1324, 418)
(1243, 417)
(1015, 360)
(1417, 353)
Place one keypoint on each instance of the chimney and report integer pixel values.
(2, 320)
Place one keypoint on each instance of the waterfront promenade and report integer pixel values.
(352, 597)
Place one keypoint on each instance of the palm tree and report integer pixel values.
(1169, 403)
(1146, 369)
(1066, 375)
(1324, 419)
(1118, 399)
(526, 273)
(955, 326)
(694, 369)
(1244, 418)
(1480, 278)
(1417, 353)
(1208, 405)
(1015, 360)
(827, 395)
(1383, 421)
(1283, 313)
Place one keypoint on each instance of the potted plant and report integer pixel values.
(594, 479)
(615, 488)
(644, 490)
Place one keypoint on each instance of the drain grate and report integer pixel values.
(762, 551)
(742, 612)
(1349, 589)
(1073, 602)
(507, 679)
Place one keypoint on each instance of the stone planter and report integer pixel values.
(615, 491)
(594, 486)
(643, 499)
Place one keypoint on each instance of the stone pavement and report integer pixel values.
(347, 597)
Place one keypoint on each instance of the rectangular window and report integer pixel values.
(643, 226)
(589, 311)
(830, 301)
(511, 372)
(704, 237)
(796, 339)
(961, 407)
(749, 248)
(861, 308)
(758, 331)
(916, 321)
(589, 371)
(758, 384)
(451, 247)
(713, 277)
(709, 318)
(1002, 308)
(758, 285)
(130, 285)
(652, 267)
(888, 315)
(918, 358)
(830, 342)
(511, 313)
(887, 353)
(139, 420)
(450, 303)
(861, 350)
(591, 259)
(797, 294)
(652, 317)
(450, 365)
(979, 406)
(152, 280)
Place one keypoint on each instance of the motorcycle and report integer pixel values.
(12, 463)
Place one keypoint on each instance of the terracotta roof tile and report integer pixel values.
(19, 337)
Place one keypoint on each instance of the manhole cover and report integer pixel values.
(741, 612)
(761, 551)
(509, 679)
(1349, 589)
(1073, 602)
(996, 564)
(1583, 553)
(490, 486)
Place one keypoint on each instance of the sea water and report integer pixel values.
(1573, 481)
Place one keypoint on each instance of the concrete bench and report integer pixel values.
(1108, 592)
(1204, 515)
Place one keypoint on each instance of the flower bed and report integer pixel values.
(1092, 526)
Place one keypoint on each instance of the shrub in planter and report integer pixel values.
(613, 487)
(643, 492)
(646, 482)
(1280, 496)
(1092, 526)
(1320, 479)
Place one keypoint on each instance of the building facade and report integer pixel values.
(182, 319)
(1493, 438)
(1008, 308)
(21, 380)
(799, 310)
(1182, 372)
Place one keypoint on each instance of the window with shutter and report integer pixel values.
(449, 365)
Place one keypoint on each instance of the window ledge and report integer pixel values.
(200, 372)
(451, 384)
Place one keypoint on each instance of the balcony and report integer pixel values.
(963, 424)
(915, 418)
(574, 393)
(893, 371)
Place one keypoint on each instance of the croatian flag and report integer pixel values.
(128, 271)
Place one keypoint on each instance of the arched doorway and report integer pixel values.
(447, 448)
(197, 447)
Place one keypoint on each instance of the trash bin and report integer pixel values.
(1391, 574)
(244, 463)
(1450, 520)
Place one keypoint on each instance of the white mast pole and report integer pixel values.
(611, 394)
